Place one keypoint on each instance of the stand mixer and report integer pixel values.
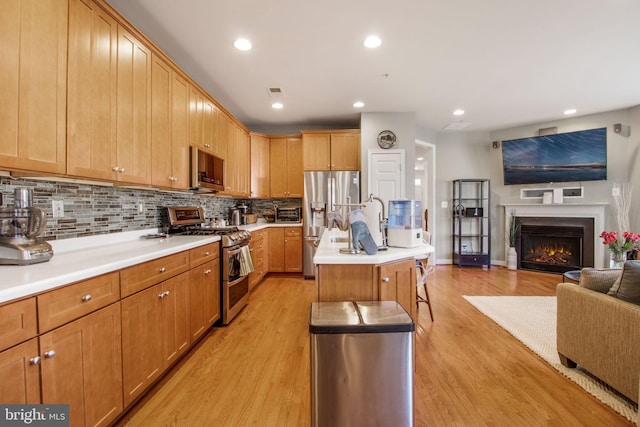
(20, 227)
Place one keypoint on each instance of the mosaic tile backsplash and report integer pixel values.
(95, 209)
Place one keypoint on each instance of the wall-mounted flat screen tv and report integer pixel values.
(562, 157)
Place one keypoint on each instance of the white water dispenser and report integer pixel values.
(404, 228)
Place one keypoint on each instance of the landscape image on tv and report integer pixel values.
(563, 157)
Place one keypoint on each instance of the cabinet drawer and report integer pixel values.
(17, 322)
(204, 253)
(141, 276)
(473, 259)
(293, 232)
(63, 305)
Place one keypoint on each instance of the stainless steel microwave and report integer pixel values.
(207, 171)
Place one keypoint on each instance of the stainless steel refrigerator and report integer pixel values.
(323, 189)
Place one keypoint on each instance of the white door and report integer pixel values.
(386, 174)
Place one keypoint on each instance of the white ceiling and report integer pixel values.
(505, 62)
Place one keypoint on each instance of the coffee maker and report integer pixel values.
(20, 227)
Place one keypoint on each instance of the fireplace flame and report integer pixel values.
(549, 254)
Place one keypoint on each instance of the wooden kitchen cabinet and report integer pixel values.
(34, 85)
(20, 373)
(285, 249)
(285, 167)
(19, 364)
(224, 124)
(204, 122)
(204, 288)
(238, 162)
(142, 276)
(259, 165)
(397, 281)
(258, 246)
(82, 366)
(331, 150)
(155, 331)
(169, 126)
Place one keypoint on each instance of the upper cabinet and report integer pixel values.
(259, 165)
(33, 46)
(285, 167)
(169, 126)
(331, 150)
(237, 161)
(109, 99)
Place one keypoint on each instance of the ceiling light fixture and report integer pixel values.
(569, 111)
(242, 44)
(458, 112)
(277, 105)
(358, 104)
(420, 158)
(372, 42)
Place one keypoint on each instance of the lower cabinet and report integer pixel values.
(285, 249)
(20, 373)
(397, 281)
(155, 331)
(259, 247)
(204, 294)
(82, 366)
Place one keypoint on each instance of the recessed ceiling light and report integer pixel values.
(420, 158)
(458, 112)
(372, 42)
(242, 44)
(569, 111)
(277, 105)
(358, 104)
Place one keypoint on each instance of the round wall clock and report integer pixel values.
(386, 139)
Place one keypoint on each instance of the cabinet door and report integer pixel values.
(223, 133)
(278, 167)
(142, 358)
(20, 373)
(91, 108)
(398, 283)
(133, 110)
(293, 249)
(179, 132)
(276, 250)
(18, 322)
(316, 151)
(259, 166)
(295, 172)
(175, 317)
(345, 151)
(160, 122)
(204, 287)
(210, 127)
(33, 85)
(196, 118)
(82, 366)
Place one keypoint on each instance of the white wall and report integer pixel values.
(404, 126)
(469, 155)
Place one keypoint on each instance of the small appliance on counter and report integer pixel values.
(405, 223)
(288, 214)
(20, 227)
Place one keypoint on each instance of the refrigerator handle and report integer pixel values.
(332, 193)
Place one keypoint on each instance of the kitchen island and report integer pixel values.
(387, 275)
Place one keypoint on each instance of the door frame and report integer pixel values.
(430, 203)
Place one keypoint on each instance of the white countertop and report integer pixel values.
(328, 251)
(85, 257)
(260, 225)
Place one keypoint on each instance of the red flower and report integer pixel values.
(628, 242)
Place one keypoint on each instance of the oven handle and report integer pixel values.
(232, 250)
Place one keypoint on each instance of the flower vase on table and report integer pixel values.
(619, 246)
(617, 259)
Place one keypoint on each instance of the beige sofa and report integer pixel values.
(599, 332)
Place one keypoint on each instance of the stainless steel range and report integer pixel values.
(190, 221)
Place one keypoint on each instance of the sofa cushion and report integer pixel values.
(597, 279)
(627, 286)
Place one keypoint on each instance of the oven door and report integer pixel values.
(231, 268)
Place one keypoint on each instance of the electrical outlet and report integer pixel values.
(57, 206)
(615, 191)
(444, 204)
(140, 206)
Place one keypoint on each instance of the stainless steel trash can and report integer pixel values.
(361, 364)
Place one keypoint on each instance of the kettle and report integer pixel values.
(234, 216)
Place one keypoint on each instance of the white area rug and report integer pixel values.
(532, 320)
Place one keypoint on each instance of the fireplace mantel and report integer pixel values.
(577, 210)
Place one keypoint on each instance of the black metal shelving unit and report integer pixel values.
(471, 234)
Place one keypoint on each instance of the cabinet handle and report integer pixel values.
(207, 271)
(164, 294)
(49, 354)
(206, 253)
(86, 298)
(207, 145)
(385, 279)
(115, 169)
(162, 269)
(34, 360)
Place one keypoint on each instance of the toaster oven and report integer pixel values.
(288, 214)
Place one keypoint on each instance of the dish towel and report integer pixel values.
(246, 264)
(361, 234)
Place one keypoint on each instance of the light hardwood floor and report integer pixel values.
(469, 371)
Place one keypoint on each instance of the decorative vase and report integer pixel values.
(512, 259)
(617, 259)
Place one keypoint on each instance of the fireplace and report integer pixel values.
(555, 245)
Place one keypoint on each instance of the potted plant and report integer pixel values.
(512, 238)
